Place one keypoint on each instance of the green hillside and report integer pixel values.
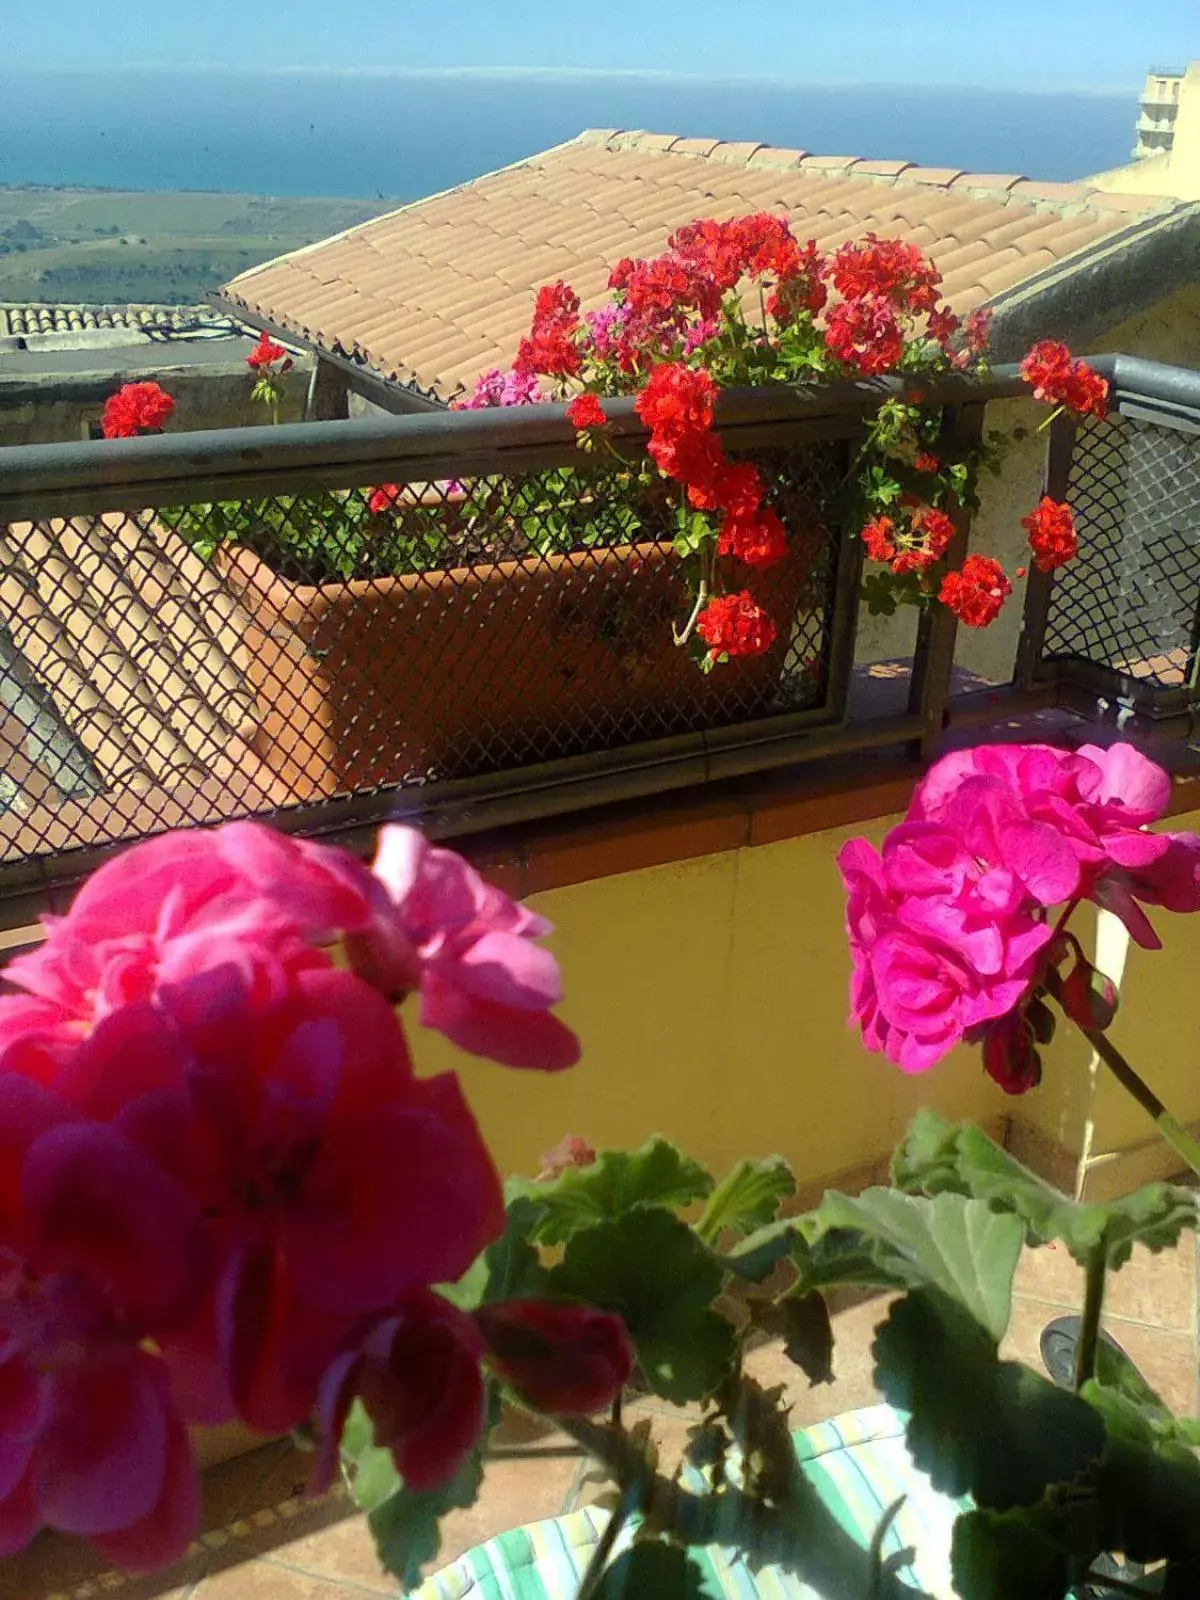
(99, 246)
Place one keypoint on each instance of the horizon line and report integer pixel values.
(636, 74)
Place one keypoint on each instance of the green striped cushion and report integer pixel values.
(859, 1465)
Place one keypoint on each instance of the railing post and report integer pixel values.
(937, 630)
(1056, 481)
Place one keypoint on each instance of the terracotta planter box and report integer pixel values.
(494, 666)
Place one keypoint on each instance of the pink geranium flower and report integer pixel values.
(330, 1178)
(99, 1250)
(471, 951)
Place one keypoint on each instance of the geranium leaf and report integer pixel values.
(406, 1523)
(807, 1335)
(958, 1245)
(747, 1198)
(1009, 1555)
(650, 1567)
(753, 1258)
(406, 1527)
(618, 1181)
(938, 1157)
(977, 1425)
(650, 1268)
(1148, 1486)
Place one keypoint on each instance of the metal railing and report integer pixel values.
(461, 618)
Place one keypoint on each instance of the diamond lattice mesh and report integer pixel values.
(194, 662)
(1128, 602)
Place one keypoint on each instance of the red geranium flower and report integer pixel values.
(676, 399)
(925, 462)
(1061, 381)
(136, 408)
(936, 530)
(865, 335)
(758, 539)
(552, 345)
(383, 498)
(886, 269)
(977, 593)
(879, 539)
(734, 625)
(265, 353)
(585, 411)
(567, 1361)
(1052, 536)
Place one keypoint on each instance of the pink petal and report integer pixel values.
(99, 1205)
(507, 969)
(101, 1461)
(515, 1038)
(1129, 779)
(409, 1197)
(1042, 859)
(164, 1533)
(1129, 848)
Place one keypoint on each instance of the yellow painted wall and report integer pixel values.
(711, 997)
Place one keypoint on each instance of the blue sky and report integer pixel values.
(1040, 44)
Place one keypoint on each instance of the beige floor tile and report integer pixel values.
(513, 1493)
(255, 1580)
(1166, 1359)
(345, 1552)
(1159, 1290)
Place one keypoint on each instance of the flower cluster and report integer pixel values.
(677, 329)
(733, 625)
(225, 1193)
(1052, 537)
(136, 408)
(910, 545)
(949, 924)
(496, 388)
(267, 353)
(1059, 380)
(976, 593)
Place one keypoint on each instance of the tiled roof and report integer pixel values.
(432, 294)
(24, 319)
(124, 698)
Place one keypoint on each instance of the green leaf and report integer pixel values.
(940, 1158)
(808, 1335)
(651, 1568)
(753, 1258)
(650, 1268)
(1148, 1487)
(981, 1426)
(749, 1197)
(405, 1523)
(513, 1267)
(406, 1527)
(958, 1245)
(617, 1182)
(1010, 1555)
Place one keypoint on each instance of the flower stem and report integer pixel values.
(1089, 1331)
(1172, 1130)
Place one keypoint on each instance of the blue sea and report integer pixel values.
(402, 136)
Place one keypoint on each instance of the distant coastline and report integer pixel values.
(404, 136)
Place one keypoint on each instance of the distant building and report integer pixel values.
(1166, 157)
(1159, 110)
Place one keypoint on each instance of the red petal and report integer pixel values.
(165, 1533)
(101, 1461)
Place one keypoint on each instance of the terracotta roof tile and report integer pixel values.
(442, 289)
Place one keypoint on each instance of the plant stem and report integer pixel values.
(592, 1578)
(1089, 1331)
(1172, 1130)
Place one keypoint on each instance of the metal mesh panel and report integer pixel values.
(194, 662)
(1128, 604)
